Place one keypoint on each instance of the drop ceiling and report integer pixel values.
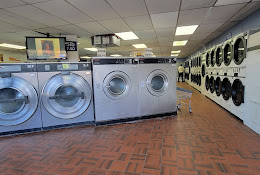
(153, 21)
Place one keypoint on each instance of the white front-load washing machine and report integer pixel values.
(157, 86)
(66, 94)
(19, 110)
(115, 82)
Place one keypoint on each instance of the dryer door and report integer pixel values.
(238, 92)
(218, 86)
(212, 84)
(239, 50)
(18, 101)
(117, 85)
(66, 96)
(219, 58)
(226, 89)
(227, 54)
(207, 83)
(158, 82)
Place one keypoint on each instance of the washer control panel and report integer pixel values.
(100, 61)
(157, 60)
(12, 68)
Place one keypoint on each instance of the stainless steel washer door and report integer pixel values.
(117, 85)
(157, 82)
(18, 101)
(66, 96)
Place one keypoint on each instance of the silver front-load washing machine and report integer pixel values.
(66, 94)
(19, 111)
(157, 86)
(115, 82)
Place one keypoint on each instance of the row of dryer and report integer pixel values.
(225, 76)
(39, 96)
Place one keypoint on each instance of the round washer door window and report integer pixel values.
(238, 92)
(218, 87)
(207, 60)
(219, 58)
(239, 50)
(227, 54)
(203, 70)
(117, 85)
(207, 83)
(212, 58)
(226, 89)
(158, 82)
(18, 101)
(212, 83)
(66, 96)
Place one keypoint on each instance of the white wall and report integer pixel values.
(14, 54)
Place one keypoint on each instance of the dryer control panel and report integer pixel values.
(100, 61)
(157, 60)
(53, 67)
(13, 68)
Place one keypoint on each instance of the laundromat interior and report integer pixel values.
(129, 87)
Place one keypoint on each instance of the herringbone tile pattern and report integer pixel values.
(209, 141)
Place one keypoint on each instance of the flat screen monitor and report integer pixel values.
(45, 48)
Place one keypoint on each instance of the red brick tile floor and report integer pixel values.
(209, 141)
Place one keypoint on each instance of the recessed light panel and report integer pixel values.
(176, 51)
(174, 55)
(180, 43)
(85, 57)
(12, 46)
(91, 49)
(127, 35)
(186, 30)
(115, 55)
(139, 46)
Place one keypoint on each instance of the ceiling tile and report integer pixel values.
(222, 13)
(115, 25)
(192, 17)
(126, 8)
(97, 9)
(38, 15)
(194, 4)
(182, 37)
(19, 20)
(11, 3)
(214, 35)
(139, 22)
(165, 32)
(166, 44)
(94, 27)
(63, 10)
(199, 36)
(49, 30)
(10, 27)
(225, 2)
(34, 1)
(162, 6)
(226, 26)
(150, 40)
(164, 20)
(207, 28)
(145, 34)
(246, 11)
(73, 30)
(165, 39)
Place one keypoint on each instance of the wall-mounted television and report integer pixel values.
(46, 48)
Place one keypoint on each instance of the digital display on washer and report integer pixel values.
(10, 68)
(61, 67)
(113, 61)
(155, 60)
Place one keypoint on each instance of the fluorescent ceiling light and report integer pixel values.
(85, 57)
(180, 43)
(139, 46)
(91, 49)
(115, 55)
(174, 55)
(186, 30)
(127, 35)
(12, 46)
(176, 51)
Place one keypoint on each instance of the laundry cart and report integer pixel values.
(182, 96)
